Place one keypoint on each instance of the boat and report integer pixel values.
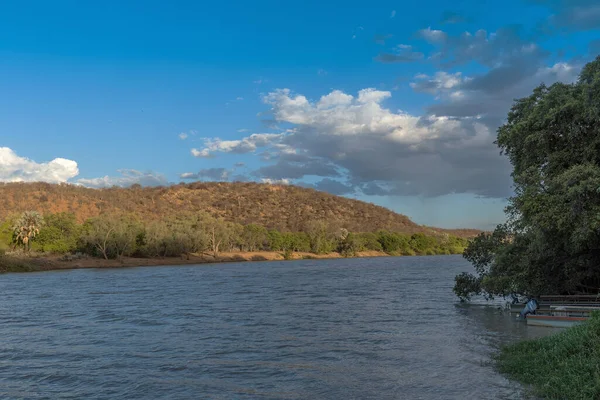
(573, 310)
(579, 299)
(554, 321)
(518, 307)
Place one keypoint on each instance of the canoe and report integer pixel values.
(554, 321)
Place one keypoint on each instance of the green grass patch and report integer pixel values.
(563, 366)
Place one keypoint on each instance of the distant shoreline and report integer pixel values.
(26, 263)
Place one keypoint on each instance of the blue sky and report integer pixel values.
(379, 101)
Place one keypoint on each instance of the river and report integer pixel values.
(377, 328)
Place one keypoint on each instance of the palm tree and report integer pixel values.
(27, 228)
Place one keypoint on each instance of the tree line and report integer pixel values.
(111, 236)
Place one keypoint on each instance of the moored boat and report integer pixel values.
(554, 321)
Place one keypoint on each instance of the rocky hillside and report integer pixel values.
(274, 206)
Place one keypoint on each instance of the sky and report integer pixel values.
(379, 101)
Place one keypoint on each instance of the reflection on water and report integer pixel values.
(384, 328)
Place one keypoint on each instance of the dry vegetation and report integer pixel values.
(285, 208)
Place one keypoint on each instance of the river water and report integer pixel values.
(380, 328)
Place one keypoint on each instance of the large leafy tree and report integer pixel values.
(551, 242)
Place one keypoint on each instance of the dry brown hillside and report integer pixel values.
(274, 206)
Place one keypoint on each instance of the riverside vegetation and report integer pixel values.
(551, 241)
(118, 235)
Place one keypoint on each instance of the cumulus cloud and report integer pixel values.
(433, 36)
(14, 168)
(127, 178)
(183, 136)
(246, 145)
(355, 138)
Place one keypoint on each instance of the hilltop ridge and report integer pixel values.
(282, 207)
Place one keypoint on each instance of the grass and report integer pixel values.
(563, 366)
(12, 264)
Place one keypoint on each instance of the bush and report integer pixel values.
(369, 241)
(10, 264)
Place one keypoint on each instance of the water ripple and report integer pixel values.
(384, 328)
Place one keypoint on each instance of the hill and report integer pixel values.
(282, 207)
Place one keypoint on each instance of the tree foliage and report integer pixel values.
(114, 235)
(59, 234)
(551, 243)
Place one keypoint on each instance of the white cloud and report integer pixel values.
(433, 36)
(183, 136)
(127, 178)
(241, 146)
(340, 114)
(203, 153)
(440, 81)
(358, 139)
(14, 168)
(335, 98)
(239, 98)
(276, 181)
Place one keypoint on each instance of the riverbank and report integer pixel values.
(33, 263)
(562, 366)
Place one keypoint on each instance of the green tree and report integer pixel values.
(395, 243)
(321, 241)
(423, 244)
(7, 233)
(219, 232)
(350, 244)
(253, 237)
(551, 242)
(60, 233)
(27, 227)
(172, 237)
(369, 241)
(112, 236)
(275, 240)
